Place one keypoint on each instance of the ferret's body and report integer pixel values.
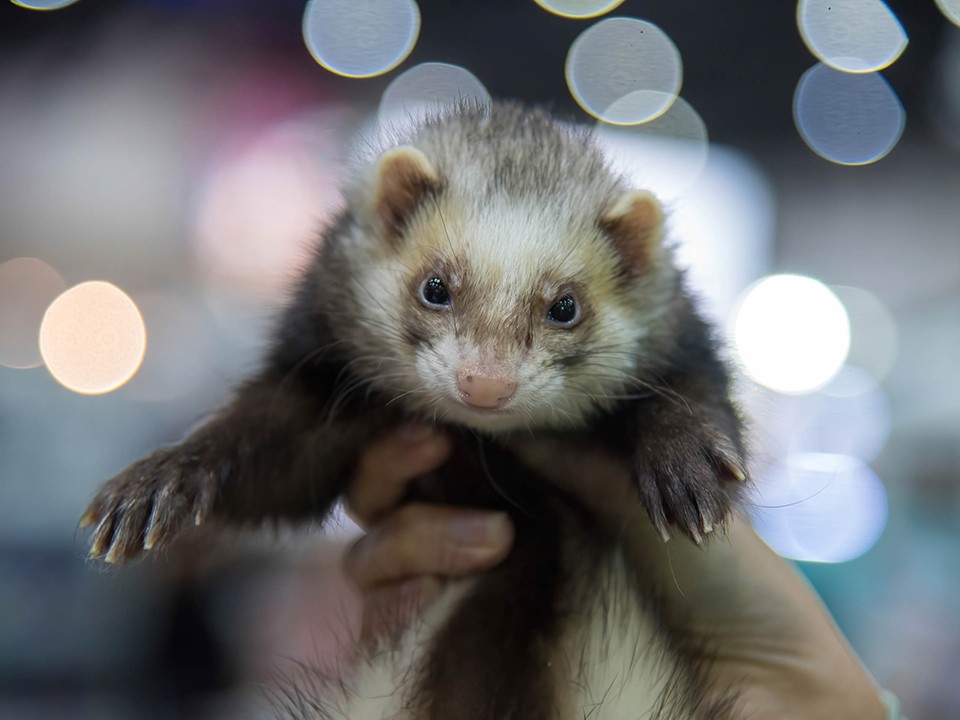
(595, 649)
(491, 274)
(565, 628)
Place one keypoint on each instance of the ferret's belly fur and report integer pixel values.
(612, 661)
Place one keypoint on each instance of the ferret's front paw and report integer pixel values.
(150, 502)
(688, 480)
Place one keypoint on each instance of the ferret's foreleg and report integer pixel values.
(689, 460)
(687, 473)
(274, 452)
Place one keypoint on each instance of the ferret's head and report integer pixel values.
(489, 303)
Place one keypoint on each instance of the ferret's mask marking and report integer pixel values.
(507, 310)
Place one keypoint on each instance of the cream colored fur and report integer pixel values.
(609, 664)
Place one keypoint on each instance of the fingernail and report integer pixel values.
(416, 432)
(479, 529)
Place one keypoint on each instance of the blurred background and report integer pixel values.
(165, 164)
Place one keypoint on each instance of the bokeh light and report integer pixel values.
(847, 119)
(263, 201)
(723, 225)
(426, 89)
(93, 338)
(945, 91)
(579, 9)
(874, 337)
(851, 415)
(622, 57)
(665, 155)
(360, 39)
(854, 36)
(791, 333)
(27, 287)
(951, 9)
(43, 4)
(820, 507)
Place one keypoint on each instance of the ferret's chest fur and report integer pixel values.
(611, 661)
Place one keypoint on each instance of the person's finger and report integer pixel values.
(387, 610)
(428, 540)
(389, 465)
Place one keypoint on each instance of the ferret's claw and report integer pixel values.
(102, 536)
(155, 535)
(131, 519)
(159, 531)
(166, 517)
(706, 521)
(151, 538)
(90, 516)
(730, 463)
(736, 471)
(206, 496)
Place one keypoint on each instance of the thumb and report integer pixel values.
(389, 610)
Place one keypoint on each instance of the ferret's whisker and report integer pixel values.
(421, 389)
(664, 391)
(490, 479)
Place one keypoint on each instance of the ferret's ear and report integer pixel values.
(635, 224)
(404, 178)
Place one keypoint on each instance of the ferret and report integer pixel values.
(492, 274)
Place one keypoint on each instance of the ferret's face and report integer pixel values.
(501, 319)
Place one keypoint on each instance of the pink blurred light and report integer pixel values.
(263, 200)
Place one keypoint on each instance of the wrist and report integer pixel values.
(785, 696)
(813, 677)
(834, 684)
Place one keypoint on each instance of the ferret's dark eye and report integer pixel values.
(434, 292)
(564, 311)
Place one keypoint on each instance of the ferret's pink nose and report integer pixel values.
(484, 392)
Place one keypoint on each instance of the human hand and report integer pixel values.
(771, 637)
(408, 551)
